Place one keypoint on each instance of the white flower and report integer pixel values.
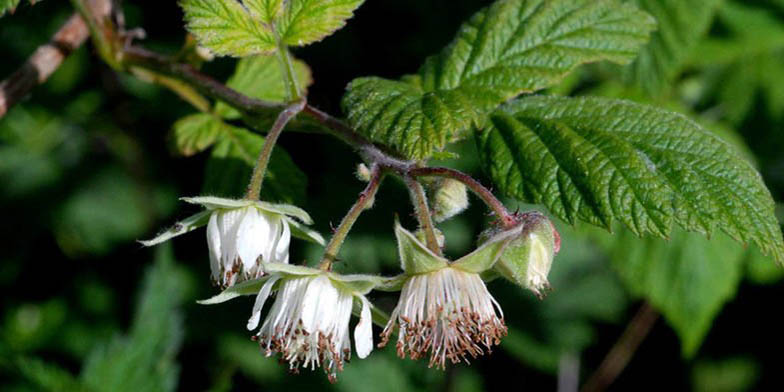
(448, 313)
(309, 322)
(242, 234)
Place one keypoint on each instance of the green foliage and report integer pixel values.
(727, 375)
(509, 48)
(144, 360)
(688, 278)
(8, 6)
(48, 376)
(600, 160)
(680, 26)
(261, 26)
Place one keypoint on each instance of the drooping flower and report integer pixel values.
(242, 234)
(445, 310)
(308, 324)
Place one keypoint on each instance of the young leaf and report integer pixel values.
(231, 28)
(504, 50)
(261, 77)
(681, 24)
(688, 278)
(196, 133)
(600, 160)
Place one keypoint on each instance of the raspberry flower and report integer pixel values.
(445, 309)
(241, 234)
(308, 324)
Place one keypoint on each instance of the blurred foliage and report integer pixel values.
(86, 169)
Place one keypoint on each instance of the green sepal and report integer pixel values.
(356, 283)
(212, 203)
(484, 257)
(289, 269)
(248, 287)
(394, 283)
(304, 233)
(188, 224)
(415, 257)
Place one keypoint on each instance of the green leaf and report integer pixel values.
(48, 376)
(227, 28)
(231, 28)
(726, 375)
(262, 77)
(8, 6)
(232, 161)
(144, 360)
(509, 48)
(688, 278)
(681, 25)
(415, 257)
(196, 133)
(599, 160)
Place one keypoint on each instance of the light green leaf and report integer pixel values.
(232, 161)
(681, 25)
(248, 287)
(599, 160)
(415, 257)
(307, 21)
(688, 278)
(196, 133)
(727, 375)
(506, 49)
(186, 225)
(261, 77)
(227, 28)
(8, 6)
(231, 28)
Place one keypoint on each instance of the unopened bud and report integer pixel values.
(528, 258)
(363, 172)
(450, 197)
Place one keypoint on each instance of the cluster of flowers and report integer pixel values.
(445, 310)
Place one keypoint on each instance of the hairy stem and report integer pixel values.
(289, 77)
(257, 178)
(507, 219)
(364, 202)
(623, 350)
(419, 199)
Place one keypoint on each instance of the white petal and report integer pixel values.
(271, 236)
(252, 233)
(318, 303)
(228, 223)
(214, 245)
(282, 247)
(363, 332)
(264, 293)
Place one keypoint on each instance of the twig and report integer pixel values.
(419, 199)
(623, 350)
(44, 61)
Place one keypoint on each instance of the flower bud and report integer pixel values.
(363, 172)
(450, 197)
(528, 258)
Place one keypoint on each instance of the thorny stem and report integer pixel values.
(257, 178)
(623, 350)
(419, 199)
(507, 219)
(364, 202)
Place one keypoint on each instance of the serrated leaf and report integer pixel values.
(504, 50)
(688, 278)
(195, 133)
(261, 77)
(681, 24)
(231, 28)
(227, 28)
(232, 160)
(599, 160)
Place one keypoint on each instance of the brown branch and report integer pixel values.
(623, 350)
(42, 64)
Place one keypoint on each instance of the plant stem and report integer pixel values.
(257, 178)
(289, 77)
(364, 202)
(419, 199)
(623, 350)
(507, 219)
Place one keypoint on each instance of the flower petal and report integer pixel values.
(253, 237)
(363, 332)
(264, 293)
(281, 254)
(214, 245)
(228, 223)
(318, 304)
